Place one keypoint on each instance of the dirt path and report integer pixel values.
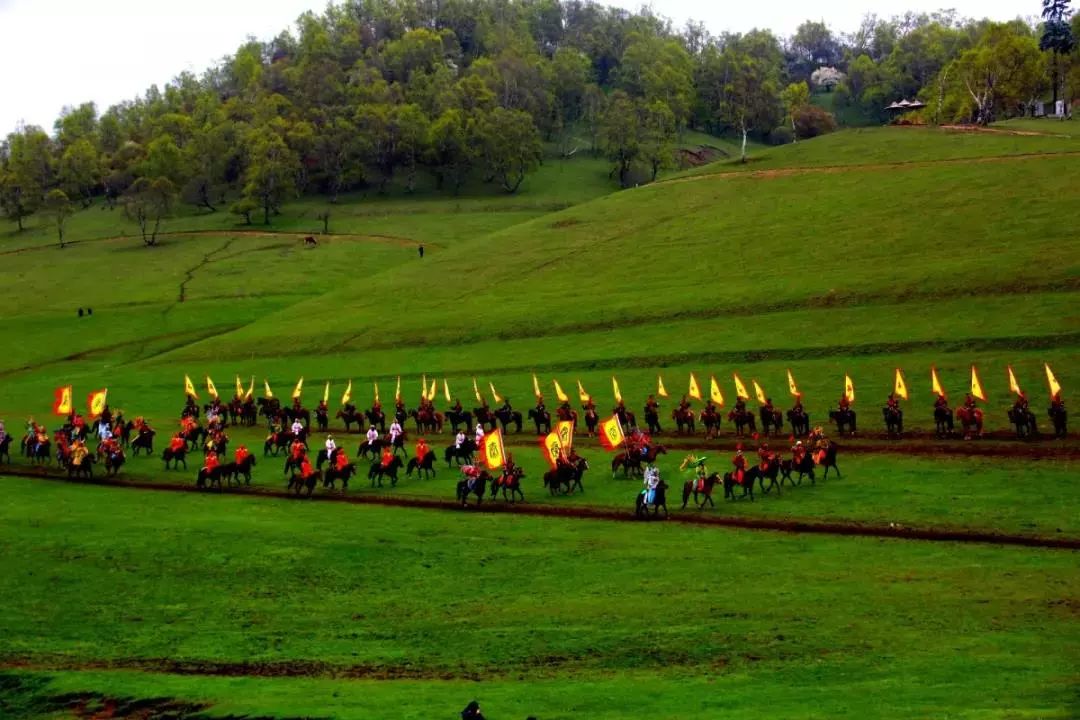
(821, 527)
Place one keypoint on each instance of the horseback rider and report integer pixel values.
(651, 481)
(241, 455)
(297, 427)
(818, 444)
(797, 409)
(211, 461)
(422, 450)
(472, 474)
(768, 407)
(589, 406)
(653, 408)
(322, 408)
(740, 406)
(296, 406)
(1020, 405)
(177, 444)
(506, 409)
(341, 460)
(541, 410)
(372, 435)
(798, 453)
(3, 432)
(331, 447)
(700, 472)
(458, 409)
(1057, 404)
(845, 403)
(387, 456)
(969, 403)
(740, 466)
(764, 455)
(395, 431)
(941, 403)
(479, 435)
(306, 471)
(459, 440)
(296, 452)
(893, 403)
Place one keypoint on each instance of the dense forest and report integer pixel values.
(372, 92)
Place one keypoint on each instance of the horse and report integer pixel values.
(485, 418)
(233, 470)
(427, 421)
(84, 468)
(425, 465)
(744, 420)
(566, 477)
(542, 420)
(632, 463)
(143, 441)
(178, 457)
(710, 419)
(378, 471)
(298, 483)
(843, 419)
(349, 418)
(943, 421)
(772, 421)
(377, 418)
(682, 418)
(333, 474)
(804, 468)
(641, 506)
(113, 462)
(292, 463)
(894, 421)
(509, 482)
(769, 472)
(269, 408)
(194, 437)
(458, 418)
(747, 485)
(463, 455)
(1024, 420)
(829, 461)
(800, 422)
(301, 414)
(5, 448)
(277, 442)
(652, 419)
(479, 487)
(703, 487)
(1059, 416)
(371, 449)
(970, 419)
(592, 420)
(626, 418)
(508, 418)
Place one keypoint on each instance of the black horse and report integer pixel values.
(800, 423)
(344, 475)
(84, 468)
(509, 482)
(1059, 416)
(425, 467)
(5, 448)
(174, 457)
(379, 471)
(943, 421)
(508, 418)
(772, 421)
(565, 478)
(459, 418)
(844, 419)
(143, 442)
(350, 416)
(1024, 421)
(463, 455)
(113, 462)
(233, 471)
(744, 421)
(542, 420)
(805, 468)
(894, 421)
(478, 488)
(297, 483)
(641, 507)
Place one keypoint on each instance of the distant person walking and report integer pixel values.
(421, 250)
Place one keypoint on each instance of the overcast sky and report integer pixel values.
(65, 52)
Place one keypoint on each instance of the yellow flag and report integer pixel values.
(976, 386)
(714, 392)
(424, 387)
(740, 389)
(694, 390)
(434, 390)
(326, 393)
(210, 387)
(446, 390)
(615, 388)
(298, 389)
(476, 392)
(494, 451)
(189, 389)
(565, 430)
(267, 392)
(397, 392)
(552, 448)
(900, 387)
(1055, 387)
(849, 389)
(792, 387)
(239, 388)
(96, 402)
(1014, 387)
(345, 398)
(62, 401)
(536, 386)
(582, 395)
(758, 392)
(376, 393)
(251, 389)
(935, 383)
(494, 395)
(563, 398)
(611, 433)
(660, 389)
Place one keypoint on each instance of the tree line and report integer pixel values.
(371, 93)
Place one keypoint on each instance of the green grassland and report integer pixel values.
(855, 253)
(724, 621)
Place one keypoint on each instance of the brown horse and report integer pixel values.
(683, 419)
(509, 482)
(971, 419)
(703, 487)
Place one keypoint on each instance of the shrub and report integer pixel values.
(781, 135)
(811, 121)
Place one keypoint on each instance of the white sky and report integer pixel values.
(65, 52)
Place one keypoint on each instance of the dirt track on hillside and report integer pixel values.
(821, 527)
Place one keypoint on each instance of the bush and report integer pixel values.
(781, 135)
(811, 121)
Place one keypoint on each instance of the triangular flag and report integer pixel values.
(239, 388)
(326, 393)
(611, 433)
(347, 396)
(536, 386)
(563, 398)
(397, 392)
(1014, 387)
(189, 388)
(976, 386)
(95, 402)
(758, 392)
(494, 452)
(210, 387)
(251, 389)
(298, 389)
(660, 389)
(1055, 387)
(446, 390)
(582, 395)
(424, 387)
(376, 393)
(476, 392)
(740, 389)
(792, 388)
(267, 392)
(694, 390)
(714, 392)
(494, 395)
(935, 383)
(62, 404)
(849, 389)
(615, 388)
(900, 387)
(433, 390)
